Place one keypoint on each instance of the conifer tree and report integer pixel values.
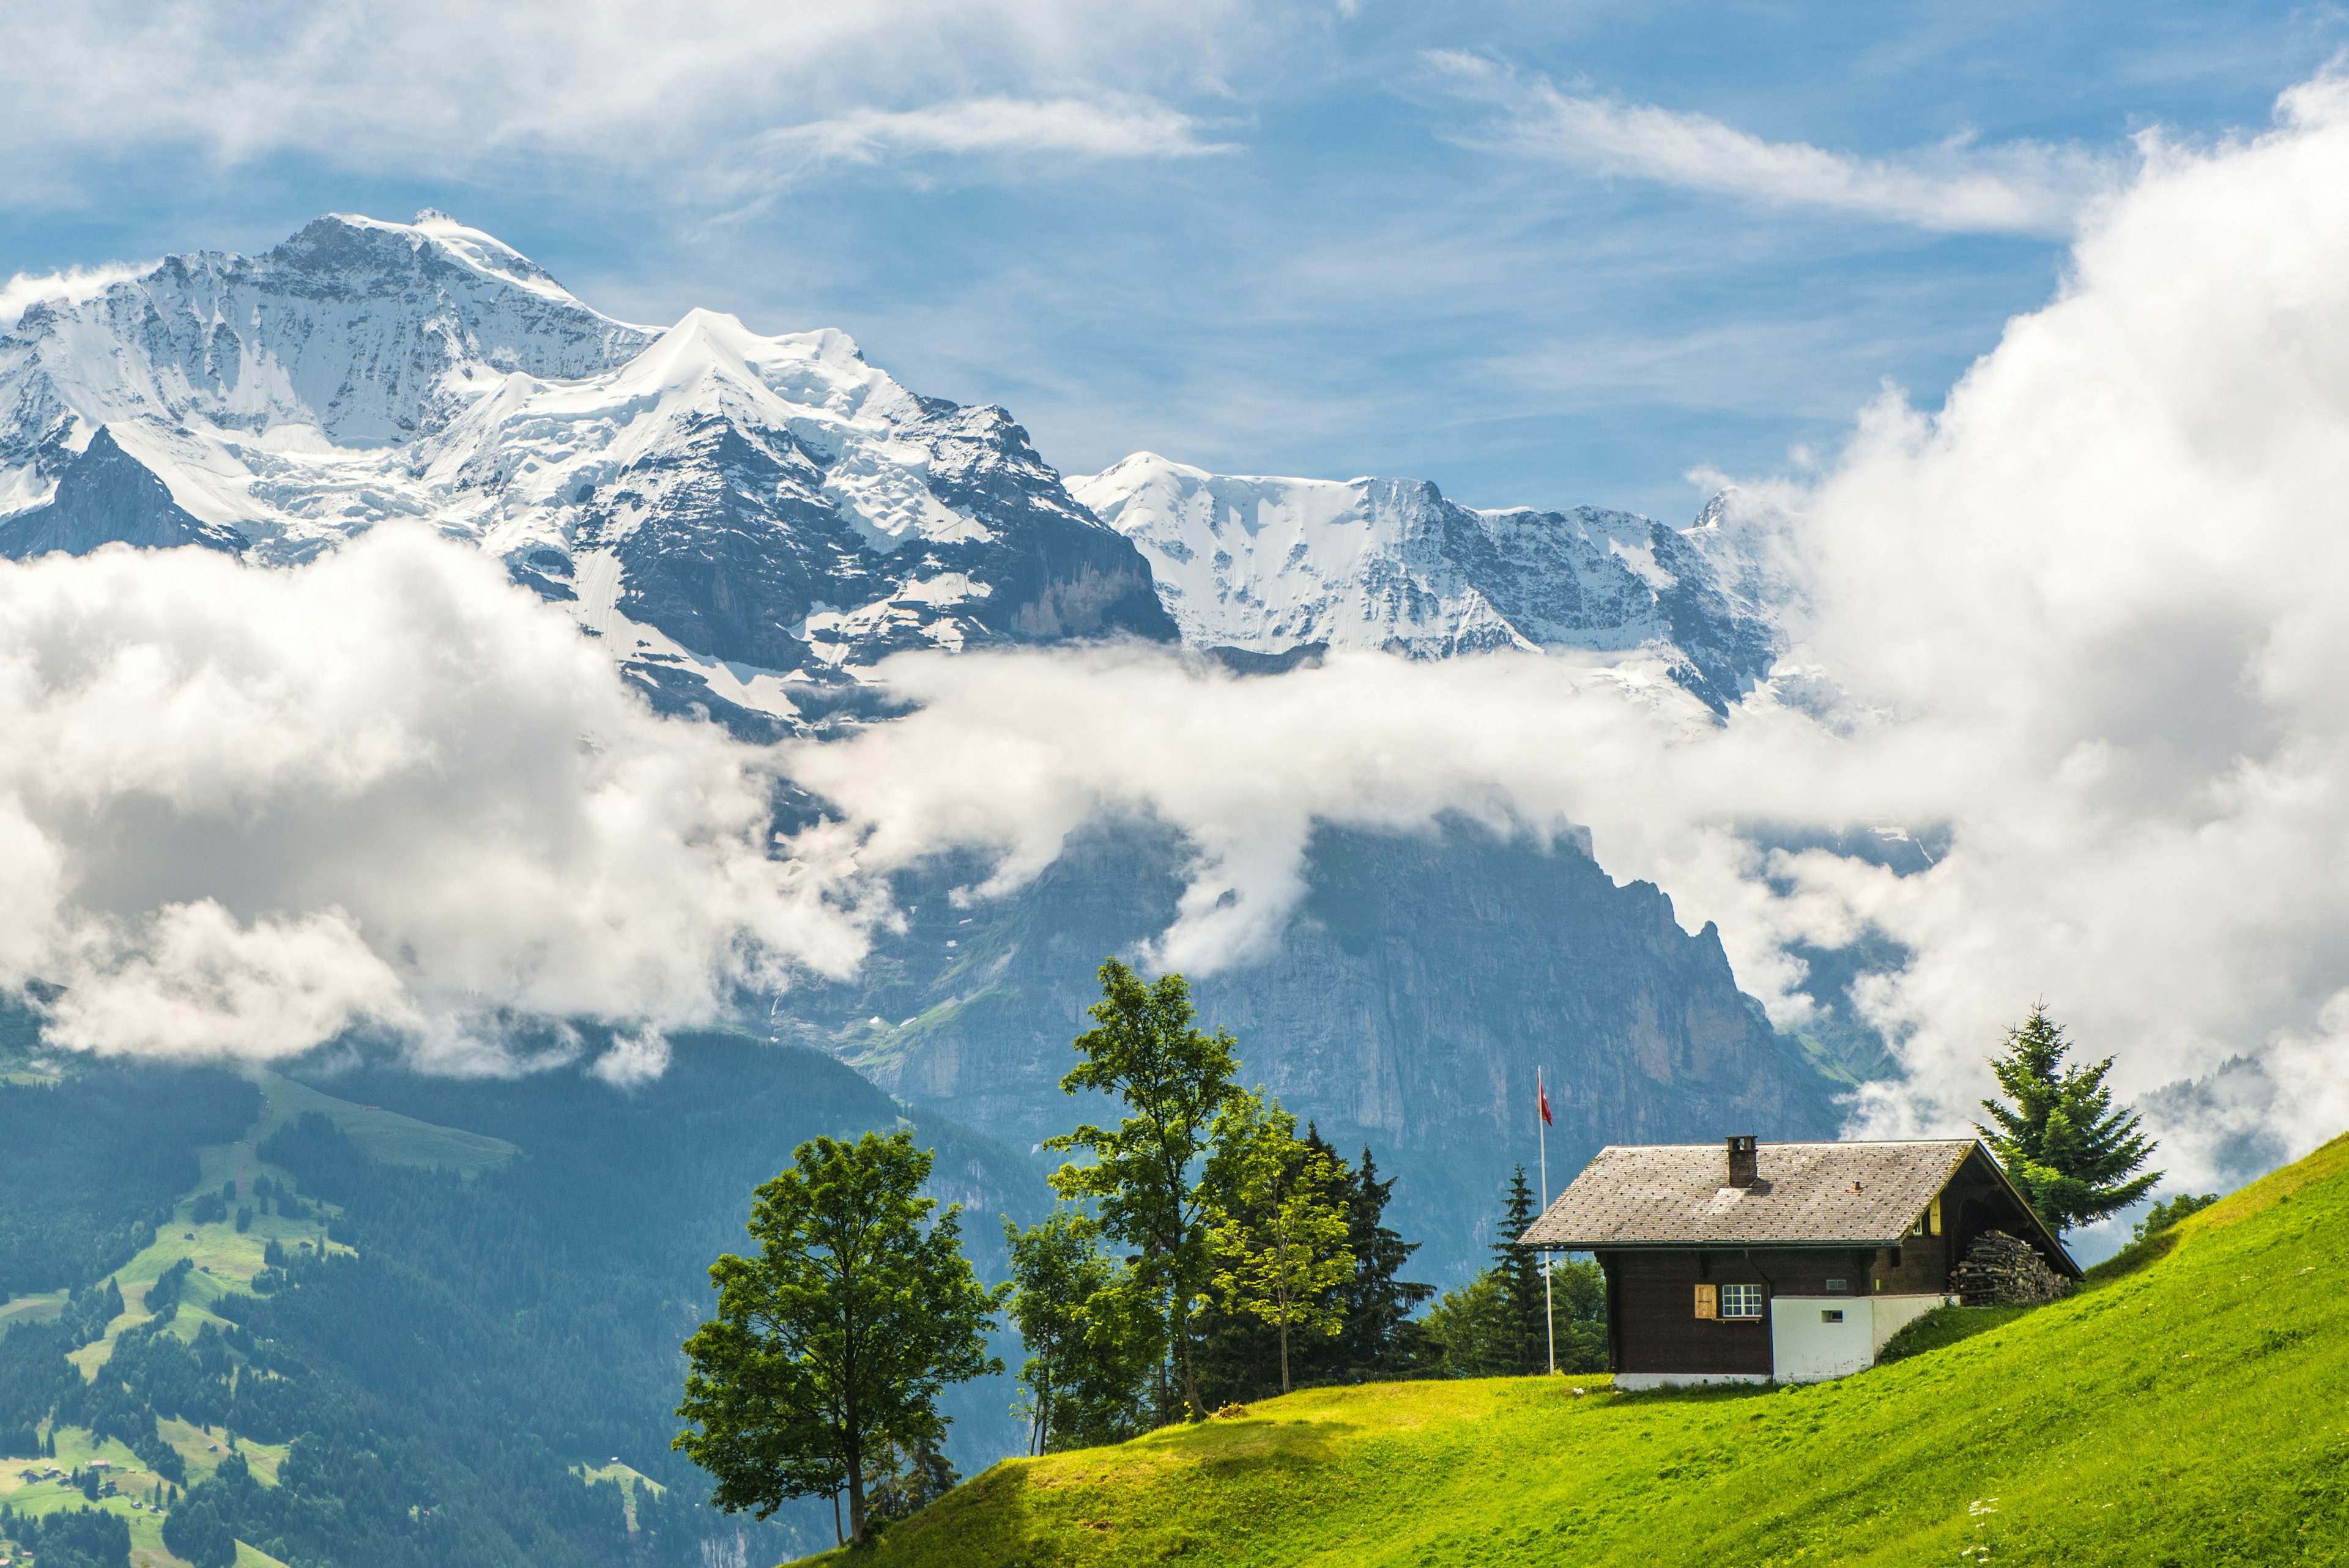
(1520, 1278)
(2061, 1140)
(1380, 1334)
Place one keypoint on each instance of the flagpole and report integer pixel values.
(1541, 1124)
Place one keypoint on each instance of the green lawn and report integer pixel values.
(146, 1549)
(2195, 1411)
(382, 1135)
(625, 1478)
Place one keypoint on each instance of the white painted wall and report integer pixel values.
(1807, 1346)
(1894, 1312)
(1629, 1381)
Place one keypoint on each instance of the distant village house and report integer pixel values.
(1745, 1262)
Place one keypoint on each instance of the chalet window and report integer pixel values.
(1838, 1285)
(1741, 1300)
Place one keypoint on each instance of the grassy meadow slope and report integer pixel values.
(2191, 1409)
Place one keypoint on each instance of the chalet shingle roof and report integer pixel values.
(1676, 1194)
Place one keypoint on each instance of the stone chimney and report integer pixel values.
(1740, 1161)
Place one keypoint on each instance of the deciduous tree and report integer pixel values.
(1092, 1332)
(838, 1336)
(1279, 1228)
(1146, 1183)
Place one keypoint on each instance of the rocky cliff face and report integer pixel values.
(1408, 1006)
(105, 496)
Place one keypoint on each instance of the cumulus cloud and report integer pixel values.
(244, 811)
(2012, 188)
(2082, 625)
(435, 86)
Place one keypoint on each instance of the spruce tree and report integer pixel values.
(2062, 1140)
(1380, 1335)
(1519, 1274)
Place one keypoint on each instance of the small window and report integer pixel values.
(1741, 1300)
(1838, 1285)
(1831, 1314)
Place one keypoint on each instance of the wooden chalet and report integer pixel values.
(1748, 1262)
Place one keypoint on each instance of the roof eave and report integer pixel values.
(1743, 1244)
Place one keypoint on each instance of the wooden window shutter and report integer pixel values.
(1936, 1220)
(1707, 1302)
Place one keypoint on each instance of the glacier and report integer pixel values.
(751, 522)
(746, 519)
(1270, 566)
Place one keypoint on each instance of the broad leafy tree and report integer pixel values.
(1145, 1183)
(836, 1338)
(2058, 1135)
(1281, 1231)
(1092, 1332)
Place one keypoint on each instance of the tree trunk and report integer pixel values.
(1284, 1355)
(856, 1482)
(838, 1539)
(1183, 1349)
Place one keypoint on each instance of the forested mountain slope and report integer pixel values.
(433, 1386)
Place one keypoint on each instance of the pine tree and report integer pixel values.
(1519, 1273)
(2062, 1141)
(1380, 1334)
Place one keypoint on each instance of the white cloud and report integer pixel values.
(435, 86)
(241, 810)
(2016, 187)
(1115, 129)
(2085, 622)
(26, 289)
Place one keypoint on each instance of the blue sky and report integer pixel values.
(1544, 255)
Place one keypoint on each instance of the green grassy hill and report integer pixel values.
(2190, 1408)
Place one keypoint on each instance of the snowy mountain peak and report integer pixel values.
(732, 510)
(1265, 564)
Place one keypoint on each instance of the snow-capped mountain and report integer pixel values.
(1270, 565)
(749, 519)
(738, 513)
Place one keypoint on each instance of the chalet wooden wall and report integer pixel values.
(1651, 1298)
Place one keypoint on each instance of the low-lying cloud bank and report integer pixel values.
(2084, 625)
(244, 811)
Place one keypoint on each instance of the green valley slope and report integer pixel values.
(2190, 1411)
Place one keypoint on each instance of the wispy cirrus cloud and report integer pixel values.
(679, 94)
(1122, 126)
(1957, 186)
